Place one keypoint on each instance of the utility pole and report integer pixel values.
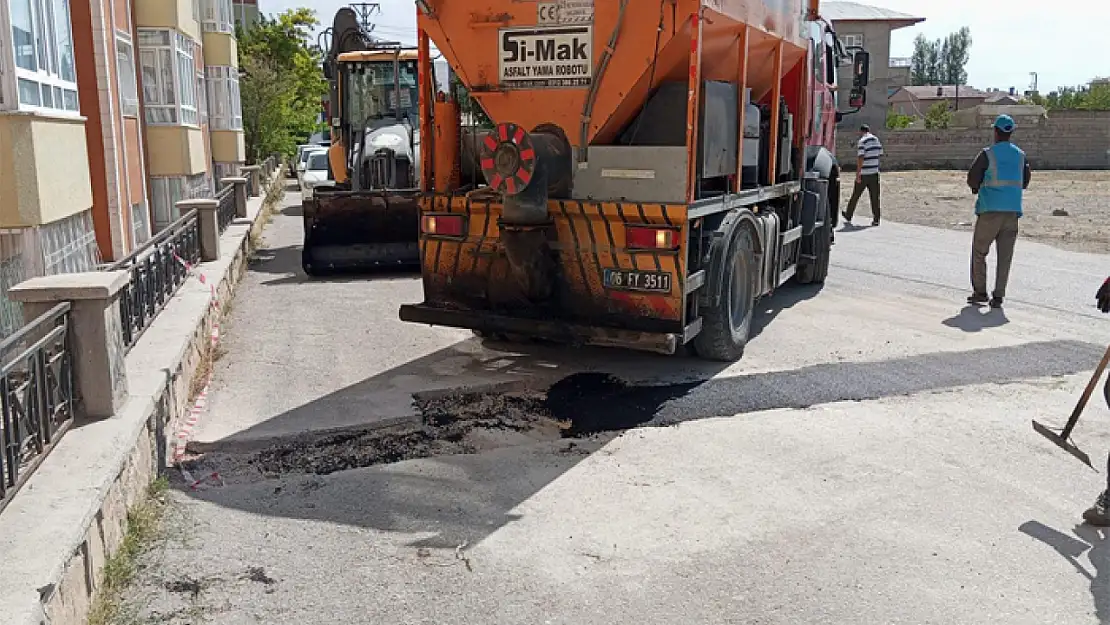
(365, 11)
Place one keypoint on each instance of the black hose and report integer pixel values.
(651, 74)
(588, 109)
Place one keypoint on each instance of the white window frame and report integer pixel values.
(225, 109)
(852, 40)
(218, 16)
(49, 32)
(128, 77)
(180, 98)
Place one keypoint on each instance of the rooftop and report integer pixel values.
(929, 92)
(856, 12)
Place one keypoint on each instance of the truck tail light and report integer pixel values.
(648, 238)
(442, 225)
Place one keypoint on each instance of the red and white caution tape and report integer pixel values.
(200, 405)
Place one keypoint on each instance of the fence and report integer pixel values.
(226, 212)
(36, 391)
(157, 271)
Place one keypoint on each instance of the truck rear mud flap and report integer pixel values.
(365, 229)
(560, 331)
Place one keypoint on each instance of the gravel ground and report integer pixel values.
(941, 199)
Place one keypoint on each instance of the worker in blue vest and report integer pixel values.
(999, 176)
(1099, 514)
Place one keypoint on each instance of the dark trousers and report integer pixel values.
(871, 183)
(1106, 394)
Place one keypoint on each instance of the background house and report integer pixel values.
(916, 101)
(869, 27)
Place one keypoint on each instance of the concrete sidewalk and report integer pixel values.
(71, 515)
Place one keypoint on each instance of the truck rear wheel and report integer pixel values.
(725, 327)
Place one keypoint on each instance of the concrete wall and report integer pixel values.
(44, 169)
(177, 150)
(1064, 140)
(876, 40)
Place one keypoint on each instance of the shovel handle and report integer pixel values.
(1086, 395)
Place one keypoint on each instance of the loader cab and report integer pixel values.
(379, 112)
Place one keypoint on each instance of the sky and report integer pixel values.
(1009, 40)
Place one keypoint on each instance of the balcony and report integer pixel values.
(221, 49)
(228, 146)
(44, 169)
(181, 15)
(176, 150)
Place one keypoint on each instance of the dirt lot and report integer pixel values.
(942, 199)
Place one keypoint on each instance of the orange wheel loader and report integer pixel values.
(651, 173)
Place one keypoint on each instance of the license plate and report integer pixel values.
(632, 280)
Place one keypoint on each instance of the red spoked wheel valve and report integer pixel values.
(508, 158)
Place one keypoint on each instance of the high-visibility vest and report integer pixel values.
(1001, 190)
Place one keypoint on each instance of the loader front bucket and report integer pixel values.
(361, 230)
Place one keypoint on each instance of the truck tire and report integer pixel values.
(815, 272)
(725, 327)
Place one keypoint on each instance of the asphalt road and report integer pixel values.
(870, 460)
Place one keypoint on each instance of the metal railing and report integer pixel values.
(225, 214)
(36, 391)
(157, 271)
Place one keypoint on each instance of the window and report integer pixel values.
(125, 68)
(167, 191)
(218, 16)
(42, 46)
(225, 110)
(852, 41)
(169, 77)
(202, 98)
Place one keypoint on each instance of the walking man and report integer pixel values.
(868, 151)
(999, 176)
(1099, 514)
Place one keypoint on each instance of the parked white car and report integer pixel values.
(292, 173)
(315, 174)
(303, 161)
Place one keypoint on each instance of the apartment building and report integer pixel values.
(110, 112)
(246, 13)
(104, 38)
(46, 192)
(188, 60)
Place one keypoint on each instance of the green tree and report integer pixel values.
(897, 121)
(938, 117)
(282, 84)
(955, 53)
(943, 61)
(1095, 97)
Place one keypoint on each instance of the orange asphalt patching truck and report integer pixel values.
(653, 170)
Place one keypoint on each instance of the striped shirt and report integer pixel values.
(870, 149)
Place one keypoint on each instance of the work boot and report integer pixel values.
(875, 223)
(1099, 514)
(978, 298)
(996, 302)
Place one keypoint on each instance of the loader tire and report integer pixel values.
(310, 269)
(726, 326)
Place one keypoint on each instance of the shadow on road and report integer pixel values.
(1095, 539)
(454, 499)
(972, 319)
(286, 262)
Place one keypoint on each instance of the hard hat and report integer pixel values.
(1005, 123)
